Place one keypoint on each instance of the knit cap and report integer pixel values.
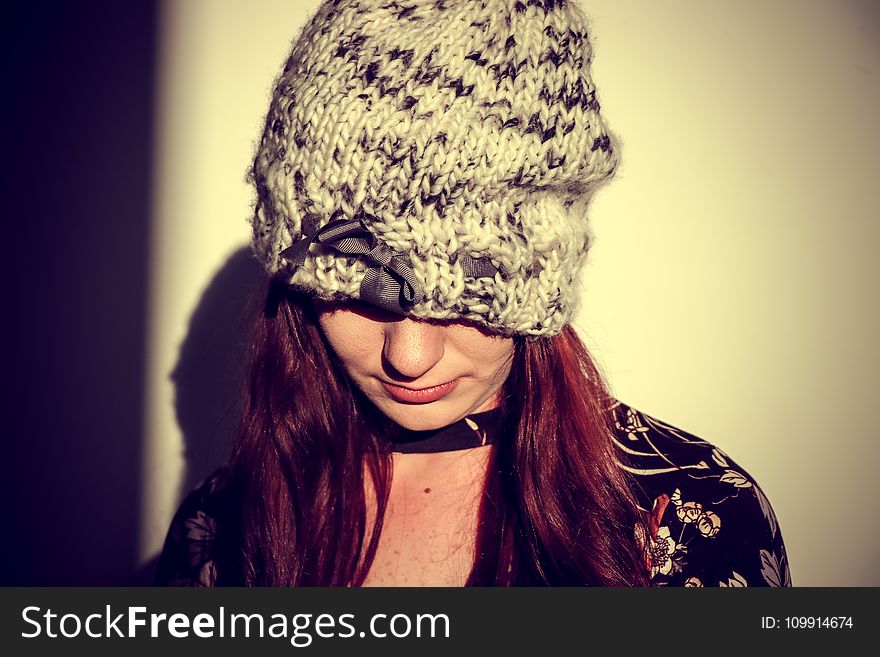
(435, 158)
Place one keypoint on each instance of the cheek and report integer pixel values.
(504, 359)
(492, 354)
(355, 342)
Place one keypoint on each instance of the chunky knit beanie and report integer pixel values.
(435, 158)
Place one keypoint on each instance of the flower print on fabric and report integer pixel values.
(666, 554)
(710, 524)
(483, 436)
(189, 555)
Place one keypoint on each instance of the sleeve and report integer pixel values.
(188, 556)
(717, 530)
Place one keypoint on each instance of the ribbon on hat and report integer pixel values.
(389, 281)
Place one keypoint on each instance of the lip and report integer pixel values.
(422, 395)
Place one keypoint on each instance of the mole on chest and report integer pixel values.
(429, 529)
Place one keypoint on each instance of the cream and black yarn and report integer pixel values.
(451, 146)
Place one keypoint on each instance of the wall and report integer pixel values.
(729, 291)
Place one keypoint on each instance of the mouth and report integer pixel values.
(420, 395)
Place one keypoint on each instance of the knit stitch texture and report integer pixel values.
(456, 131)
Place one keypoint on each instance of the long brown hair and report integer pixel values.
(556, 509)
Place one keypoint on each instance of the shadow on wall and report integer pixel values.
(208, 375)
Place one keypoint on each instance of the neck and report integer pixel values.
(474, 430)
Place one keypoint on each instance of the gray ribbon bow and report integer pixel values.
(389, 282)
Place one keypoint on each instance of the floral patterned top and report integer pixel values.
(709, 523)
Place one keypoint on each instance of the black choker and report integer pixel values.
(474, 430)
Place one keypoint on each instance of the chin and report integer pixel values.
(419, 417)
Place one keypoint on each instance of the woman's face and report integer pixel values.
(399, 362)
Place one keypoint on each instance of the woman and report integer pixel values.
(419, 410)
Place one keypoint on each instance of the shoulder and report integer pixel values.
(710, 523)
(193, 546)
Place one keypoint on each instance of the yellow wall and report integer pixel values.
(730, 288)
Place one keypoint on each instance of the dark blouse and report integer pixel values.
(709, 523)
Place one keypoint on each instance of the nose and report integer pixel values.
(412, 347)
